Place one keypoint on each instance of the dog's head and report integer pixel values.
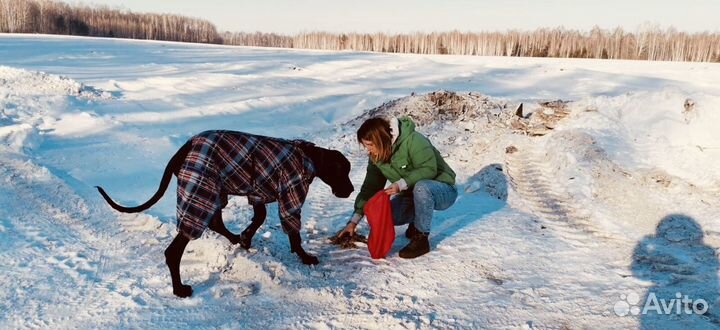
(331, 167)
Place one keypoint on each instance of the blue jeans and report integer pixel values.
(417, 206)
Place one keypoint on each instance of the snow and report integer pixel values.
(618, 198)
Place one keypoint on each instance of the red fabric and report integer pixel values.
(382, 229)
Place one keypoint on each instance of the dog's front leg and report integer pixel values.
(259, 215)
(173, 255)
(296, 247)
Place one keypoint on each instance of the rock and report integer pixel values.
(689, 105)
(689, 110)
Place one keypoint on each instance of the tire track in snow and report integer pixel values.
(530, 178)
(60, 253)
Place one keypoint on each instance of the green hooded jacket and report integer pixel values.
(413, 158)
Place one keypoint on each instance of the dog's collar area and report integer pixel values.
(308, 157)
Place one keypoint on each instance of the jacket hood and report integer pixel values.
(407, 127)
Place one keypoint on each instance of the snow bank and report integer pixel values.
(33, 103)
(654, 130)
(20, 82)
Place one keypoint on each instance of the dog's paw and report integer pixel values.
(235, 239)
(309, 259)
(183, 291)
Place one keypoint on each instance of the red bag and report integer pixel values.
(382, 229)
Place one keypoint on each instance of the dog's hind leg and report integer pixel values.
(217, 225)
(259, 215)
(173, 255)
(296, 247)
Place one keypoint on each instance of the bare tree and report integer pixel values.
(649, 43)
(46, 16)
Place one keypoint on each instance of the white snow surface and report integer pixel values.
(619, 199)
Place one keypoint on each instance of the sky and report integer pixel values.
(397, 16)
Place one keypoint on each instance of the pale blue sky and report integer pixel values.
(291, 16)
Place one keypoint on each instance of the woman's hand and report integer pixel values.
(393, 189)
(348, 230)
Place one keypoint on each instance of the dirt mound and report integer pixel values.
(437, 106)
(448, 106)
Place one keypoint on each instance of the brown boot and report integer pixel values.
(419, 245)
(411, 231)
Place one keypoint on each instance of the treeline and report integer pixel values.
(649, 44)
(259, 39)
(51, 17)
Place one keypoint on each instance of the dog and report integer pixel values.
(212, 165)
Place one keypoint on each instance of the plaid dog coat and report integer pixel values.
(222, 163)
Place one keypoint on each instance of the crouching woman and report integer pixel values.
(421, 180)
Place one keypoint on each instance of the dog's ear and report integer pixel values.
(313, 152)
(308, 148)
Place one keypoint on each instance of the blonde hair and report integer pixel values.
(377, 131)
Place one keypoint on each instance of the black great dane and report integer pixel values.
(214, 164)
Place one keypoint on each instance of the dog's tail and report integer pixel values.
(172, 167)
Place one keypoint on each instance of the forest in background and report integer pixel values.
(650, 43)
(54, 17)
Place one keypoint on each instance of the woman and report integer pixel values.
(421, 180)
